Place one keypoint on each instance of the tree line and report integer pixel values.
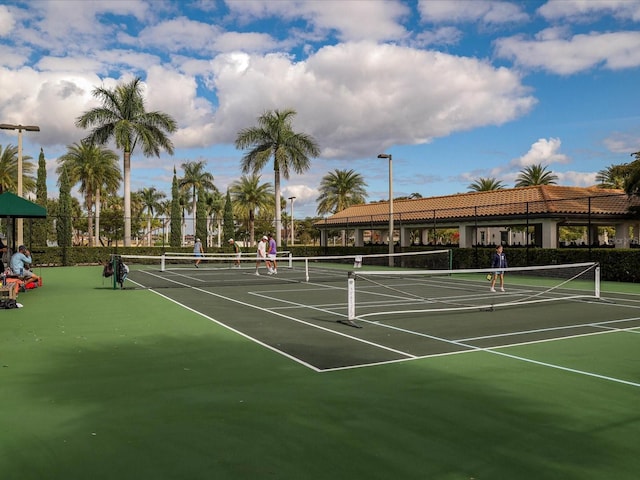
(122, 119)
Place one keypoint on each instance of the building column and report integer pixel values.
(623, 239)
(466, 236)
(358, 235)
(546, 234)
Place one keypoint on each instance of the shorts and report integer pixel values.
(272, 257)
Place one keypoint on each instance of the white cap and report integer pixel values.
(264, 237)
(230, 240)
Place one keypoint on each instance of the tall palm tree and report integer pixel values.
(92, 166)
(340, 189)
(248, 196)
(9, 170)
(194, 179)
(535, 175)
(486, 185)
(164, 211)
(274, 137)
(150, 199)
(214, 202)
(122, 117)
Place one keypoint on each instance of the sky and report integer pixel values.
(454, 90)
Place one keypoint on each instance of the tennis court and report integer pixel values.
(207, 373)
(303, 312)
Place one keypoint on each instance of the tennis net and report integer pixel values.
(170, 270)
(412, 292)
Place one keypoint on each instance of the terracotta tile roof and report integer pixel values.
(540, 200)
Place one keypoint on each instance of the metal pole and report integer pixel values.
(391, 250)
(292, 232)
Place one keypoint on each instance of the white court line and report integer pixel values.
(409, 356)
(551, 329)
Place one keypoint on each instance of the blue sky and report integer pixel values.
(454, 90)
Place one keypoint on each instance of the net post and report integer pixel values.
(290, 260)
(114, 265)
(306, 269)
(351, 296)
(597, 273)
(162, 263)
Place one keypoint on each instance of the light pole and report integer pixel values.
(291, 199)
(388, 155)
(19, 128)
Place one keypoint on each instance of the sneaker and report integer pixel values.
(501, 289)
(493, 290)
(270, 272)
(275, 271)
(257, 273)
(196, 265)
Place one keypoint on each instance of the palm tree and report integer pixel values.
(214, 202)
(535, 175)
(93, 167)
(164, 211)
(340, 189)
(123, 118)
(9, 170)
(274, 137)
(632, 183)
(614, 176)
(485, 185)
(195, 178)
(150, 199)
(248, 196)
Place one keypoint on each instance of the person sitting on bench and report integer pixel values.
(20, 262)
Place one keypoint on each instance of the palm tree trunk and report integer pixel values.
(252, 229)
(195, 206)
(89, 219)
(127, 198)
(97, 241)
(278, 212)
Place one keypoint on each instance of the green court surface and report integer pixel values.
(254, 377)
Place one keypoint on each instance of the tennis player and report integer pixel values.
(499, 260)
(198, 251)
(236, 250)
(271, 254)
(262, 253)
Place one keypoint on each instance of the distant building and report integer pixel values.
(527, 216)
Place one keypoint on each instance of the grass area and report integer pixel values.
(100, 383)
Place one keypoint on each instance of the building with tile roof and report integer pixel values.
(531, 216)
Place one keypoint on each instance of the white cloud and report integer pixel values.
(351, 20)
(350, 96)
(590, 9)
(626, 143)
(567, 56)
(177, 34)
(578, 179)
(544, 151)
(486, 11)
(7, 21)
